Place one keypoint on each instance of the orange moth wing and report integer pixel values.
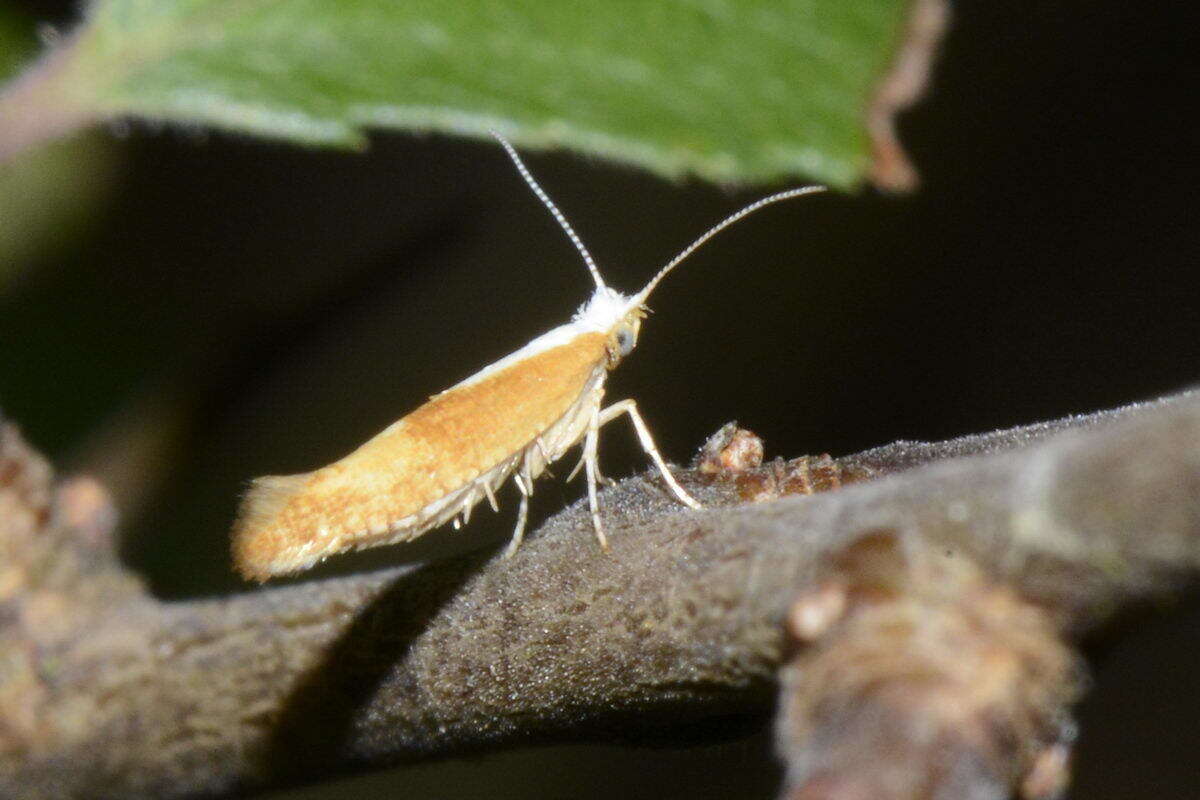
(379, 493)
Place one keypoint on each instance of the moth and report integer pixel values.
(512, 419)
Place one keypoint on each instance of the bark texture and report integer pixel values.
(932, 601)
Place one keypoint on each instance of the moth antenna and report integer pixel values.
(549, 204)
(720, 226)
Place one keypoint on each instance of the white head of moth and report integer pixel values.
(512, 418)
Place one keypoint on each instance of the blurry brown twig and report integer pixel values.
(923, 616)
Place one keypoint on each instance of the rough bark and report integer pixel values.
(938, 590)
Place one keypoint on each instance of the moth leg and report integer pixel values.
(491, 495)
(589, 461)
(546, 460)
(600, 478)
(575, 470)
(522, 515)
(630, 407)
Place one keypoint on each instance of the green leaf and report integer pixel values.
(731, 90)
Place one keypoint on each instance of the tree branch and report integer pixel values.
(107, 692)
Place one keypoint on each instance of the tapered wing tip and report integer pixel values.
(260, 547)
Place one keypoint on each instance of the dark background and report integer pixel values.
(248, 308)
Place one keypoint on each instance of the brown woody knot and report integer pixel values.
(917, 675)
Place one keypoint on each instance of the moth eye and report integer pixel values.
(625, 341)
